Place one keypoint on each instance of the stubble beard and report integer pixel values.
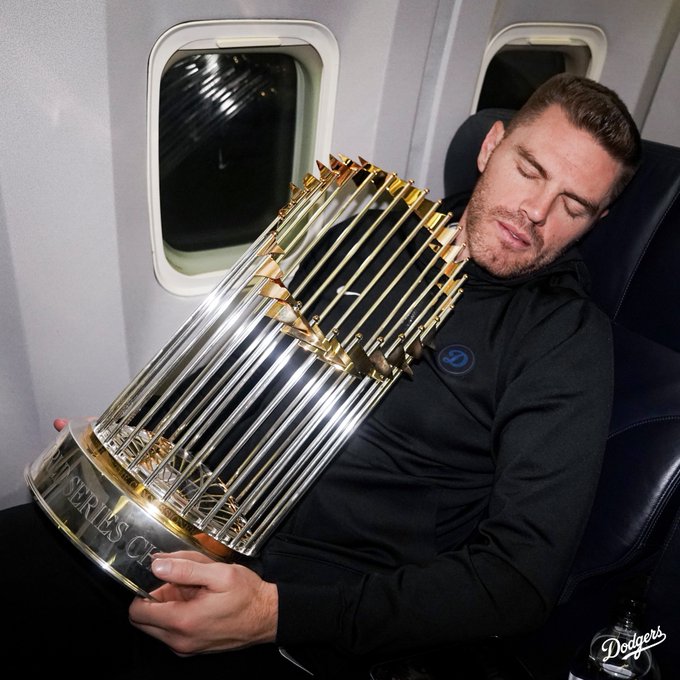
(488, 252)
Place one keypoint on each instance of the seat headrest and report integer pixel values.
(460, 167)
(632, 253)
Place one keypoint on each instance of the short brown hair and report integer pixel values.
(592, 107)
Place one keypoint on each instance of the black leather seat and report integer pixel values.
(632, 542)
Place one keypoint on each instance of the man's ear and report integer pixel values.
(491, 141)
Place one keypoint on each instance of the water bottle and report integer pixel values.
(620, 651)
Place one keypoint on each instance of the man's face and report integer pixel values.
(542, 187)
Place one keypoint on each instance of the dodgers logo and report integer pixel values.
(456, 359)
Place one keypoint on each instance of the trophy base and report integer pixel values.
(106, 513)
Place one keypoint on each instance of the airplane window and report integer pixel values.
(522, 56)
(237, 111)
(226, 130)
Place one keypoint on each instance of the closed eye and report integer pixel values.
(574, 213)
(526, 172)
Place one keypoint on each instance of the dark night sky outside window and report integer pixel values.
(514, 74)
(226, 146)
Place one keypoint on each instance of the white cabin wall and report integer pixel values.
(63, 344)
(18, 413)
(403, 84)
(663, 120)
(454, 59)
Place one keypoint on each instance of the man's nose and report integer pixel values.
(536, 204)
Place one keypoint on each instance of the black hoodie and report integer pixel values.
(455, 510)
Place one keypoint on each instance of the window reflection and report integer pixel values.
(226, 146)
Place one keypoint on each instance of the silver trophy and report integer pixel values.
(221, 433)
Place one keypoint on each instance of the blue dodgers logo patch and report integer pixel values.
(456, 359)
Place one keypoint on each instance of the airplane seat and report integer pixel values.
(632, 542)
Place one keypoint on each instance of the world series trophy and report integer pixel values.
(223, 431)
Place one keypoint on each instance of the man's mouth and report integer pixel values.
(513, 236)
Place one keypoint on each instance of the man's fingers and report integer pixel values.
(60, 423)
(184, 572)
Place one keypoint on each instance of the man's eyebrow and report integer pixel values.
(590, 207)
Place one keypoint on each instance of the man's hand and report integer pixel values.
(206, 606)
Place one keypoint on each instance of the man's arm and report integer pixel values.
(548, 440)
